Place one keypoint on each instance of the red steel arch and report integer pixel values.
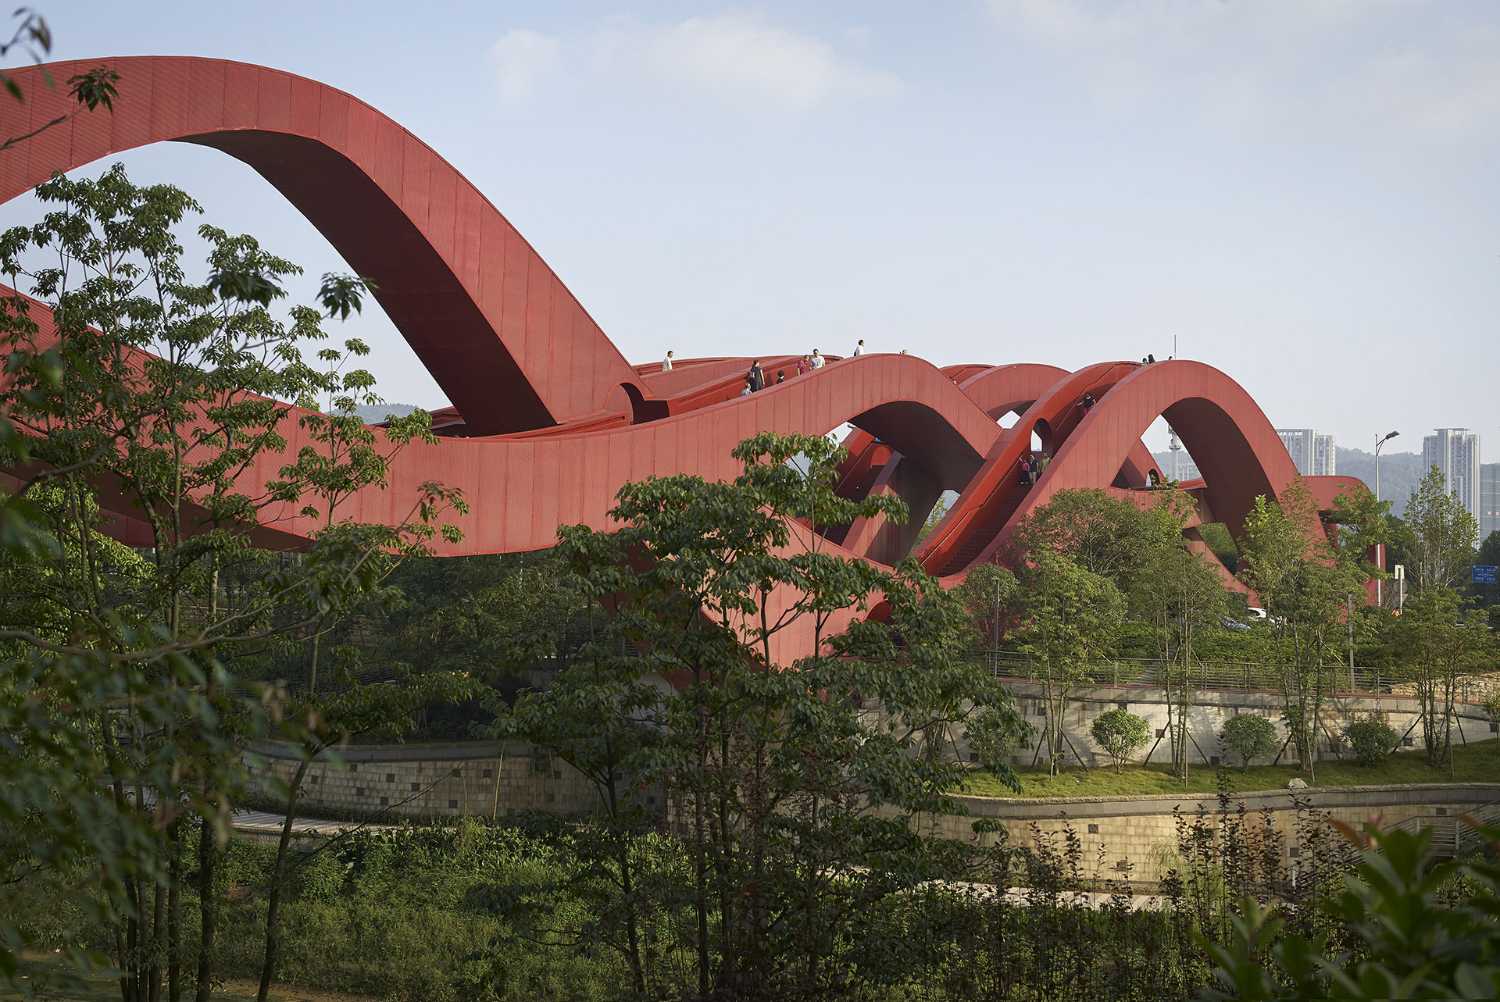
(550, 419)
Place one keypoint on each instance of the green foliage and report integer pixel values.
(1410, 938)
(1248, 736)
(1372, 740)
(1068, 618)
(125, 726)
(1107, 536)
(990, 592)
(1363, 523)
(1476, 762)
(1120, 733)
(1443, 534)
(1434, 645)
(796, 786)
(1307, 588)
(1221, 541)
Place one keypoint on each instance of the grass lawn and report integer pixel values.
(49, 979)
(1477, 761)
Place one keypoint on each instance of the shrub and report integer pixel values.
(1247, 737)
(1407, 936)
(1371, 739)
(1121, 734)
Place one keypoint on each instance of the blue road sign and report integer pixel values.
(1487, 574)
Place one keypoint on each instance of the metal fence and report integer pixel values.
(1233, 675)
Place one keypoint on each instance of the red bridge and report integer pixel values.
(549, 419)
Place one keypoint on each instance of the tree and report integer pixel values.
(1442, 535)
(1181, 596)
(90, 90)
(1121, 734)
(796, 786)
(1069, 617)
(1248, 736)
(158, 392)
(1436, 644)
(1304, 585)
(1108, 536)
(989, 592)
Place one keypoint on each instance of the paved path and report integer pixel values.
(267, 823)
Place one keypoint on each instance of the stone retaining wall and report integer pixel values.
(1142, 831)
(483, 780)
(461, 779)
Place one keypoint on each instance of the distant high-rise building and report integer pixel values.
(1489, 500)
(1325, 456)
(1314, 455)
(1455, 452)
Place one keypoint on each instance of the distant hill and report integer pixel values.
(379, 412)
(1400, 472)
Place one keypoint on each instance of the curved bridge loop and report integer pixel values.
(1242, 456)
(527, 485)
(989, 501)
(550, 419)
(501, 334)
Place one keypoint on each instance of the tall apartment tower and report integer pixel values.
(1314, 455)
(1325, 456)
(1455, 452)
(1489, 500)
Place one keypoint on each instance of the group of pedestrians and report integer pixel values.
(755, 377)
(1033, 465)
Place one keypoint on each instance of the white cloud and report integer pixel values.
(522, 57)
(733, 57)
(1341, 70)
(742, 57)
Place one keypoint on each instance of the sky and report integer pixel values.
(1305, 194)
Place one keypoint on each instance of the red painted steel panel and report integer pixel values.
(241, 96)
(360, 145)
(273, 100)
(130, 122)
(416, 175)
(539, 353)
(52, 146)
(169, 99)
(307, 104)
(492, 267)
(441, 212)
(205, 108)
(467, 236)
(91, 137)
(389, 140)
(558, 324)
(333, 119)
(513, 330)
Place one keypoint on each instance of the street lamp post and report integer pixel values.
(1379, 441)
